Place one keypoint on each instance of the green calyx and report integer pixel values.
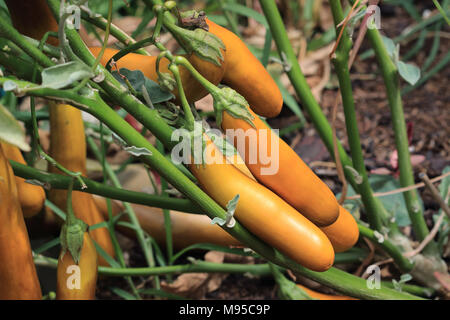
(72, 231)
(71, 238)
(172, 114)
(166, 81)
(200, 42)
(227, 99)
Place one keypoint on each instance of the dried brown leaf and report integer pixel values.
(197, 285)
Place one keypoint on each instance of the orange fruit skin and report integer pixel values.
(245, 74)
(264, 213)
(18, 277)
(31, 197)
(193, 90)
(87, 272)
(344, 233)
(292, 179)
(323, 296)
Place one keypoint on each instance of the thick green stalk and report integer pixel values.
(9, 32)
(353, 286)
(340, 62)
(58, 181)
(392, 82)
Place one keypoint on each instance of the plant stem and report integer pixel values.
(167, 219)
(189, 117)
(59, 181)
(438, 6)
(128, 209)
(10, 33)
(392, 83)
(413, 289)
(148, 117)
(197, 266)
(105, 40)
(116, 32)
(417, 27)
(304, 92)
(402, 262)
(340, 62)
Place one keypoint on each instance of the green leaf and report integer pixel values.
(394, 203)
(409, 72)
(138, 80)
(11, 131)
(248, 12)
(63, 75)
(390, 46)
(218, 19)
(159, 256)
